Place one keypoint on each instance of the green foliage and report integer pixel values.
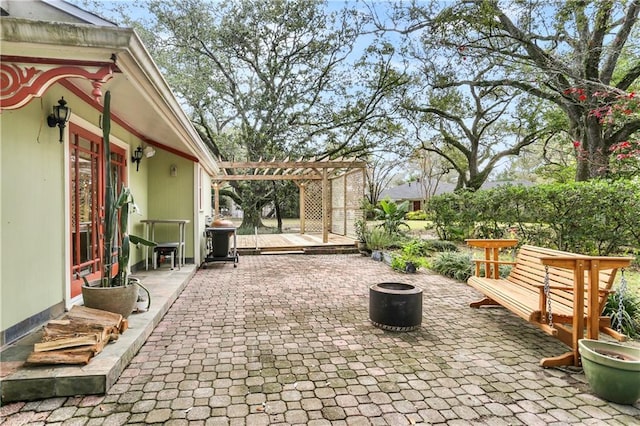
(416, 247)
(392, 216)
(452, 215)
(400, 262)
(272, 79)
(360, 227)
(412, 252)
(595, 217)
(439, 245)
(417, 215)
(453, 265)
(378, 239)
(367, 208)
(476, 33)
(631, 313)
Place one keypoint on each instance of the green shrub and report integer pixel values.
(417, 247)
(412, 251)
(392, 216)
(630, 319)
(417, 215)
(439, 245)
(399, 261)
(378, 239)
(360, 228)
(580, 217)
(453, 265)
(453, 215)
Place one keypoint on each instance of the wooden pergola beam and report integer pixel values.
(228, 178)
(301, 172)
(291, 164)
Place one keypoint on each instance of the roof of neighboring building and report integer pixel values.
(416, 191)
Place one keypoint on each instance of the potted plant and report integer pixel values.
(116, 291)
(612, 370)
(377, 240)
(360, 226)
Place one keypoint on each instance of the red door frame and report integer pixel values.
(90, 267)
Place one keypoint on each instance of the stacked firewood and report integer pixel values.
(77, 337)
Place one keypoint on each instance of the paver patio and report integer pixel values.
(287, 340)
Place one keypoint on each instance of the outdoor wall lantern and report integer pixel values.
(149, 151)
(60, 116)
(137, 156)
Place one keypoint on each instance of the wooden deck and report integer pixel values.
(292, 242)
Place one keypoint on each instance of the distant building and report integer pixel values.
(416, 194)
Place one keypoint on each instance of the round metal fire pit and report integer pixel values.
(395, 306)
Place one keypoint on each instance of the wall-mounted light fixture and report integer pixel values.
(149, 151)
(59, 117)
(173, 170)
(137, 156)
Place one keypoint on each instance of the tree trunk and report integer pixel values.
(251, 218)
(252, 202)
(592, 155)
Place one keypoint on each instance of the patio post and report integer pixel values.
(303, 197)
(325, 205)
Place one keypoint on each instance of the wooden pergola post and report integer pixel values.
(325, 206)
(216, 200)
(303, 197)
(344, 204)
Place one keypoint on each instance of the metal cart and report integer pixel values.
(218, 249)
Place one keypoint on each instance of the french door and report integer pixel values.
(87, 202)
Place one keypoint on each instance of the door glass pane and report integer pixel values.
(85, 207)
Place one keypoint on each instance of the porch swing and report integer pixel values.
(547, 288)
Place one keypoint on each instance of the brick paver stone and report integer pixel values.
(286, 339)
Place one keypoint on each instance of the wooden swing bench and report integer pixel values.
(578, 287)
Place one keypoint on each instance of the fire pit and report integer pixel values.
(395, 306)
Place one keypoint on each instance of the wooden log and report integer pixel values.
(124, 325)
(57, 330)
(78, 336)
(94, 316)
(60, 357)
(70, 342)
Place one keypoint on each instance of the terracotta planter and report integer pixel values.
(612, 370)
(121, 300)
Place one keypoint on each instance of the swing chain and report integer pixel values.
(547, 294)
(622, 289)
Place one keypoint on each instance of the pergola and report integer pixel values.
(330, 190)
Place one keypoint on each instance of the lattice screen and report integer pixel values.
(313, 206)
(337, 205)
(346, 192)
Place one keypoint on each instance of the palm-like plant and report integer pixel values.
(392, 216)
(116, 219)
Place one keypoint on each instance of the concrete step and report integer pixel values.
(26, 383)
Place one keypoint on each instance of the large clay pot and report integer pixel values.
(120, 300)
(612, 370)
